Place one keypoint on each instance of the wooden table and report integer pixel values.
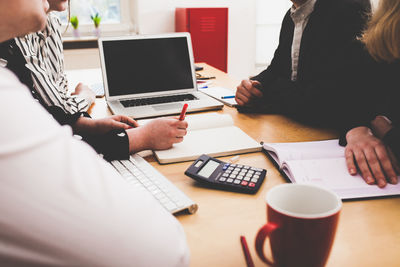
(368, 232)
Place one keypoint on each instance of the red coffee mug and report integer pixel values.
(302, 221)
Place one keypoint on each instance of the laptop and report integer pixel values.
(150, 76)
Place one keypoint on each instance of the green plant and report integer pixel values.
(74, 22)
(96, 20)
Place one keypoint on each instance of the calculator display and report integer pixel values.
(209, 168)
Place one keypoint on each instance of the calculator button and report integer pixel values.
(222, 179)
(258, 173)
(230, 169)
(256, 176)
(229, 180)
(251, 172)
(225, 167)
(232, 176)
(225, 175)
(247, 179)
(237, 169)
(240, 177)
(237, 181)
(233, 165)
(252, 185)
(246, 167)
(254, 180)
(244, 183)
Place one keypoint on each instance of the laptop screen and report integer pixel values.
(137, 66)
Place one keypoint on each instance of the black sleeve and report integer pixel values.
(113, 145)
(63, 117)
(392, 140)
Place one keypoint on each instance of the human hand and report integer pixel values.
(85, 92)
(247, 91)
(370, 155)
(158, 134)
(102, 126)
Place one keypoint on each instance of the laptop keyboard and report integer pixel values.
(139, 173)
(157, 100)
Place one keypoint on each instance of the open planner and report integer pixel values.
(323, 163)
(212, 134)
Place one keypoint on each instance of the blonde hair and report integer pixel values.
(382, 36)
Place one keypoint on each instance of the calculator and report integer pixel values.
(226, 176)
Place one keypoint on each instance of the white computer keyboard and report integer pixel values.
(139, 173)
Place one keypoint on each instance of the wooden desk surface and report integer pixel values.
(368, 232)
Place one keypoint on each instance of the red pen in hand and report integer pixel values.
(183, 113)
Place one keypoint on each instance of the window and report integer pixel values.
(269, 17)
(116, 16)
(108, 9)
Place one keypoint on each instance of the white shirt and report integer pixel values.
(300, 18)
(61, 204)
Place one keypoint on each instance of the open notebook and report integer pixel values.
(323, 163)
(212, 134)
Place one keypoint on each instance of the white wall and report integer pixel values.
(158, 16)
(374, 4)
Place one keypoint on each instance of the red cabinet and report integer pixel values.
(208, 28)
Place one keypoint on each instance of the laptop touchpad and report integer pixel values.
(168, 106)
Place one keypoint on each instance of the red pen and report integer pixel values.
(249, 260)
(183, 113)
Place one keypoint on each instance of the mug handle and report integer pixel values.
(262, 234)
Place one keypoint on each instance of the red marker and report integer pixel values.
(183, 113)
(246, 251)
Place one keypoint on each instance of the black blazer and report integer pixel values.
(332, 27)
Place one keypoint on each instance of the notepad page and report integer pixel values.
(202, 121)
(332, 173)
(207, 121)
(214, 142)
(305, 150)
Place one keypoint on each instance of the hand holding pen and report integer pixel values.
(183, 112)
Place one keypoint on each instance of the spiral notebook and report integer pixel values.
(323, 163)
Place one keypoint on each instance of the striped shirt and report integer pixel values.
(43, 52)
